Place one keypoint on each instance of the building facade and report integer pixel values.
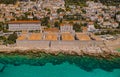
(66, 28)
(24, 25)
(52, 40)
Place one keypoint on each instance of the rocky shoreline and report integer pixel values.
(86, 61)
(98, 52)
(103, 54)
(106, 50)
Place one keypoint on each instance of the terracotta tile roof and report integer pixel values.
(91, 23)
(66, 23)
(51, 36)
(95, 37)
(52, 30)
(24, 22)
(35, 36)
(67, 37)
(22, 37)
(99, 17)
(81, 36)
(84, 29)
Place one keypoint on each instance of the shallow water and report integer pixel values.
(49, 70)
(46, 65)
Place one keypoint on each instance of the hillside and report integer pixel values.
(82, 2)
(71, 2)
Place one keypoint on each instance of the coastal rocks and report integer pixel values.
(97, 51)
(103, 54)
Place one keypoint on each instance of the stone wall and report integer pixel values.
(58, 44)
(33, 44)
(75, 43)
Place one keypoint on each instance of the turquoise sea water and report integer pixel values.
(49, 70)
(47, 65)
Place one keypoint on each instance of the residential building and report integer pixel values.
(24, 25)
(91, 26)
(66, 28)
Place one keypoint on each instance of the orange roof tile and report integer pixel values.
(22, 37)
(91, 23)
(51, 36)
(81, 36)
(66, 24)
(95, 37)
(51, 30)
(35, 36)
(84, 29)
(67, 36)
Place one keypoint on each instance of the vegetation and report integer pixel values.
(75, 2)
(71, 2)
(1, 26)
(118, 12)
(82, 3)
(57, 24)
(11, 39)
(73, 17)
(60, 10)
(2, 39)
(77, 27)
(97, 26)
(45, 21)
(119, 26)
(110, 2)
(8, 1)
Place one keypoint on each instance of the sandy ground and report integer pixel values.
(113, 44)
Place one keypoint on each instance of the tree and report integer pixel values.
(45, 21)
(97, 26)
(8, 1)
(57, 24)
(60, 20)
(12, 38)
(48, 25)
(77, 27)
(83, 11)
(119, 26)
(60, 10)
(1, 26)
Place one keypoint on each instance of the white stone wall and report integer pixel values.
(58, 44)
(72, 44)
(32, 44)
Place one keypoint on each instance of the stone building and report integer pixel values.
(33, 40)
(66, 28)
(91, 26)
(55, 40)
(24, 25)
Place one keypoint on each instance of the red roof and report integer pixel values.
(66, 24)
